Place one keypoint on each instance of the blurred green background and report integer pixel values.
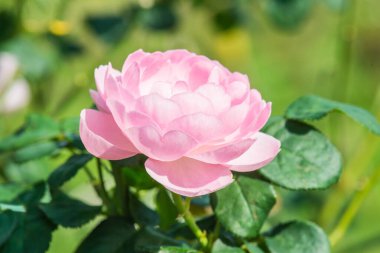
(288, 48)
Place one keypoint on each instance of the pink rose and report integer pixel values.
(194, 120)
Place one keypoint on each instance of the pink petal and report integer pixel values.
(99, 101)
(178, 55)
(111, 83)
(263, 150)
(102, 138)
(193, 103)
(131, 78)
(224, 154)
(200, 71)
(216, 94)
(263, 117)
(161, 110)
(136, 56)
(168, 147)
(234, 116)
(164, 89)
(200, 126)
(189, 177)
(179, 87)
(100, 74)
(238, 91)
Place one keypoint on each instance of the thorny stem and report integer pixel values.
(183, 210)
(359, 196)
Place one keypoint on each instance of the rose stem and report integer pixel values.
(102, 189)
(353, 207)
(184, 211)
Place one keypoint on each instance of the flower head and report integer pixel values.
(194, 120)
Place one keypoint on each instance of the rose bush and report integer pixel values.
(194, 119)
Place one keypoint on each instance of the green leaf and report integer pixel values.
(35, 151)
(307, 159)
(142, 214)
(68, 170)
(243, 206)
(177, 250)
(297, 237)
(8, 223)
(183, 231)
(37, 128)
(113, 235)
(220, 247)
(32, 196)
(32, 234)
(166, 209)
(69, 212)
(9, 191)
(313, 107)
(70, 125)
(11, 207)
(149, 239)
(135, 173)
(253, 248)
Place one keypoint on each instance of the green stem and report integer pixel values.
(184, 211)
(121, 191)
(359, 196)
(100, 191)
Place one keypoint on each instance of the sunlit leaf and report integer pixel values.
(243, 206)
(307, 159)
(35, 151)
(297, 237)
(220, 247)
(313, 107)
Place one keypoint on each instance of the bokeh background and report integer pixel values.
(288, 48)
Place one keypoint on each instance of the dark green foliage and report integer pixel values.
(141, 213)
(297, 237)
(112, 235)
(68, 170)
(307, 159)
(165, 209)
(68, 212)
(243, 206)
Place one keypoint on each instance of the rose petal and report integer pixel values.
(168, 147)
(189, 177)
(191, 103)
(100, 75)
(200, 126)
(99, 101)
(136, 56)
(224, 154)
(216, 94)
(102, 138)
(161, 110)
(262, 151)
(131, 78)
